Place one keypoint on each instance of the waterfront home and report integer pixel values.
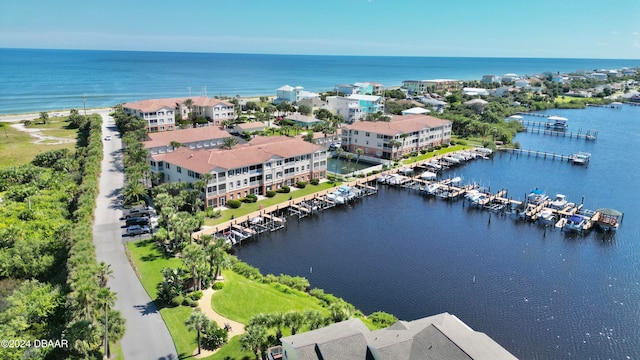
(348, 89)
(303, 120)
(472, 91)
(422, 86)
(161, 114)
(355, 107)
(401, 135)
(292, 94)
(371, 88)
(522, 83)
(441, 336)
(263, 164)
(488, 79)
(510, 77)
(193, 138)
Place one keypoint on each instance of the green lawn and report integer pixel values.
(247, 208)
(17, 147)
(241, 299)
(434, 153)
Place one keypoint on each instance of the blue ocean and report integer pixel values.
(36, 80)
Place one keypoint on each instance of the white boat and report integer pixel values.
(536, 197)
(395, 179)
(469, 155)
(609, 219)
(406, 171)
(580, 158)
(346, 192)
(557, 122)
(469, 195)
(547, 217)
(575, 223)
(383, 179)
(432, 189)
(460, 157)
(560, 202)
(451, 159)
(433, 165)
(484, 151)
(455, 181)
(428, 175)
(479, 199)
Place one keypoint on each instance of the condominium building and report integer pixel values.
(355, 107)
(161, 114)
(401, 135)
(193, 138)
(422, 86)
(292, 94)
(265, 163)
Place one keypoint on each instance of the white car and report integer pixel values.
(107, 138)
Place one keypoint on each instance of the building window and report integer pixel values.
(367, 134)
(179, 169)
(167, 166)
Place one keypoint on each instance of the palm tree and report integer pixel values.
(197, 321)
(277, 320)
(195, 259)
(106, 299)
(349, 157)
(189, 103)
(229, 143)
(359, 153)
(104, 273)
(314, 319)
(295, 320)
(218, 257)
(254, 339)
(394, 145)
(133, 192)
(44, 117)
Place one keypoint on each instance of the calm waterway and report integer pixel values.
(540, 294)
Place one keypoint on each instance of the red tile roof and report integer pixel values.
(398, 124)
(205, 160)
(184, 136)
(151, 105)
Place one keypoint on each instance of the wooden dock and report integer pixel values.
(540, 127)
(537, 153)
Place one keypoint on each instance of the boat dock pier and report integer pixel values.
(539, 127)
(537, 153)
(613, 105)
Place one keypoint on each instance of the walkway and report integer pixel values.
(205, 305)
(147, 336)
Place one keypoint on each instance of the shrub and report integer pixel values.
(212, 213)
(382, 319)
(315, 181)
(177, 300)
(251, 198)
(452, 142)
(360, 175)
(423, 151)
(218, 285)
(196, 295)
(270, 193)
(414, 153)
(269, 278)
(284, 189)
(461, 142)
(301, 184)
(213, 336)
(189, 302)
(247, 270)
(234, 204)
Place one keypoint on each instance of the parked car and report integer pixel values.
(107, 138)
(138, 230)
(137, 221)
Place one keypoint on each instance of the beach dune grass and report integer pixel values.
(18, 147)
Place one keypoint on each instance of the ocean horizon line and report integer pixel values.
(315, 55)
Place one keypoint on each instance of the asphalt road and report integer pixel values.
(147, 336)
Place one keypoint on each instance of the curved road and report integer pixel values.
(147, 336)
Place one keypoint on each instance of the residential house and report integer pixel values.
(160, 114)
(313, 103)
(303, 120)
(293, 94)
(437, 105)
(598, 76)
(488, 79)
(471, 91)
(401, 135)
(522, 84)
(348, 89)
(441, 336)
(355, 107)
(193, 138)
(422, 86)
(214, 110)
(557, 78)
(264, 163)
(510, 77)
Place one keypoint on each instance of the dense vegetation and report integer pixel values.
(50, 284)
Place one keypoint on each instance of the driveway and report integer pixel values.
(147, 336)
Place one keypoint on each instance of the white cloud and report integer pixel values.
(635, 33)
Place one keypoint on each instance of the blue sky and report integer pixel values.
(484, 28)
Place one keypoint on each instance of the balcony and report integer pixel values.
(274, 353)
